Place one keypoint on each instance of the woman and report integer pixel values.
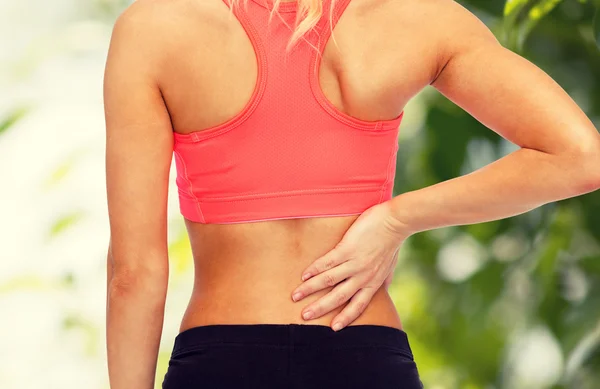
(284, 142)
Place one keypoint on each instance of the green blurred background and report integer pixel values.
(511, 304)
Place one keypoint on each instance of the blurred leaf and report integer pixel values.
(13, 117)
(64, 168)
(542, 8)
(534, 16)
(65, 222)
(59, 173)
(514, 11)
(513, 7)
(28, 282)
(68, 279)
(520, 17)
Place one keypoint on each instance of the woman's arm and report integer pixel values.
(559, 155)
(139, 146)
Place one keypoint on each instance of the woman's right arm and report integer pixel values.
(139, 149)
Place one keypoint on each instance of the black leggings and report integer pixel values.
(291, 356)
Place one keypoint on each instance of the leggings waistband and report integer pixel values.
(296, 335)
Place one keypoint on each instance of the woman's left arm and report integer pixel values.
(559, 154)
(139, 147)
(558, 158)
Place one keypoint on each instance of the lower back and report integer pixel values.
(245, 273)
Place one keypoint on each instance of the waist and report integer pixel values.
(248, 304)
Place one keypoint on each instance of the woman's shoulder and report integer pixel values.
(164, 27)
(157, 17)
(434, 15)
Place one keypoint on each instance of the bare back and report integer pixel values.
(246, 272)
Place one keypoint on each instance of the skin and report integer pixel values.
(185, 65)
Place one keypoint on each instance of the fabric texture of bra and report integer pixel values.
(289, 153)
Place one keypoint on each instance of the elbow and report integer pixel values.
(127, 280)
(588, 186)
(590, 183)
(586, 177)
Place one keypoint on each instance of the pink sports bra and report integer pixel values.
(289, 153)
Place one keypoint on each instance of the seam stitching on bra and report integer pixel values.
(288, 217)
(324, 35)
(388, 170)
(185, 174)
(299, 192)
(257, 95)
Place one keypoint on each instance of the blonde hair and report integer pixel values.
(308, 14)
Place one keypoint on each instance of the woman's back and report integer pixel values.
(245, 273)
(387, 53)
(179, 71)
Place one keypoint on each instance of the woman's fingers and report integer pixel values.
(357, 305)
(328, 261)
(362, 259)
(336, 297)
(324, 280)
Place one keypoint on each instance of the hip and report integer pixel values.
(292, 356)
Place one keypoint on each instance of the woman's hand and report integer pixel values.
(360, 263)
